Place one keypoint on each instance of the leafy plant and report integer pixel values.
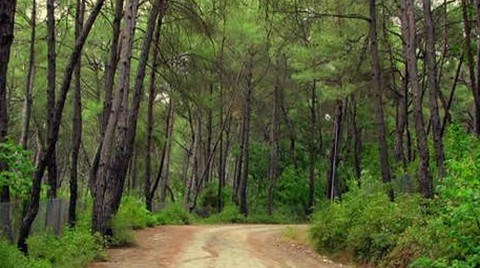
(19, 169)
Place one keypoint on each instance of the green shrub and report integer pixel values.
(11, 257)
(173, 215)
(75, 248)
(229, 214)
(131, 215)
(365, 224)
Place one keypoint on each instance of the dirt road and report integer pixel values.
(225, 246)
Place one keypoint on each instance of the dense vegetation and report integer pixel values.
(361, 116)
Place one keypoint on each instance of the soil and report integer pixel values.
(216, 246)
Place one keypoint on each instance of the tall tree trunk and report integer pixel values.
(409, 24)
(51, 77)
(44, 156)
(7, 21)
(76, 122)
(333, 189)
(110, 71)
(312, 148)
(357, 142)
(473, 83)
(100, 215)
(433, 88)
(107, 199)
(274, 147)
(167, 151)
(28, 102)
(150, 119)
(243, 182)
(378, 95)
(112, 64)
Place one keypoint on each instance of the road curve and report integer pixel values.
(215, 246)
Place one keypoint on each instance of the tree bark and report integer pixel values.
(51, 78)
(377, 85)
(150, 119)
(274, 147)
(409, 24)
(473, 83)
(28, 102)
(7, 21)
(44, 156)
(243, 182)
(110, 71)
(112, 171)
(433, 88)
(76, 122)
(333, 189)
(312, 148)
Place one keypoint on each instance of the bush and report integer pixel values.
(229, 214)
(131, 215)
(11, 257)
(368, 229)
(75, 248)
(173, 215)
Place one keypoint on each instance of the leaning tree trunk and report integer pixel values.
(109, 83)
(378, 95)
(31, 208)
(107, 199)
(409, 24)
(7, 18)
(433, 88)
(76, 123)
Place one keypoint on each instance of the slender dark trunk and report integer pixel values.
(312, 148)
(357, 142)
(33, 203)
(473, 83)
(274, 147)
(409, 24)
(51, 78)
(76, 122)
(378, 95)
(433, 88)
(28, 102)
(150, 119)
(333, 189)
(111, 68)
(7, 21)
(243, 182)
(112, 64)
(167, 153)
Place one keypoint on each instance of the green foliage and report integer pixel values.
(173, 215)
(229, 214)
(11, 257)
(131, 215)
(290, 197)
(411, 232)
(450, 235)
(19, 169)
(367, 229)
(75, 248)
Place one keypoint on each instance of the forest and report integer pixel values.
(360, 118)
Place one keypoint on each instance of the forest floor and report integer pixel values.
(217, 246)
